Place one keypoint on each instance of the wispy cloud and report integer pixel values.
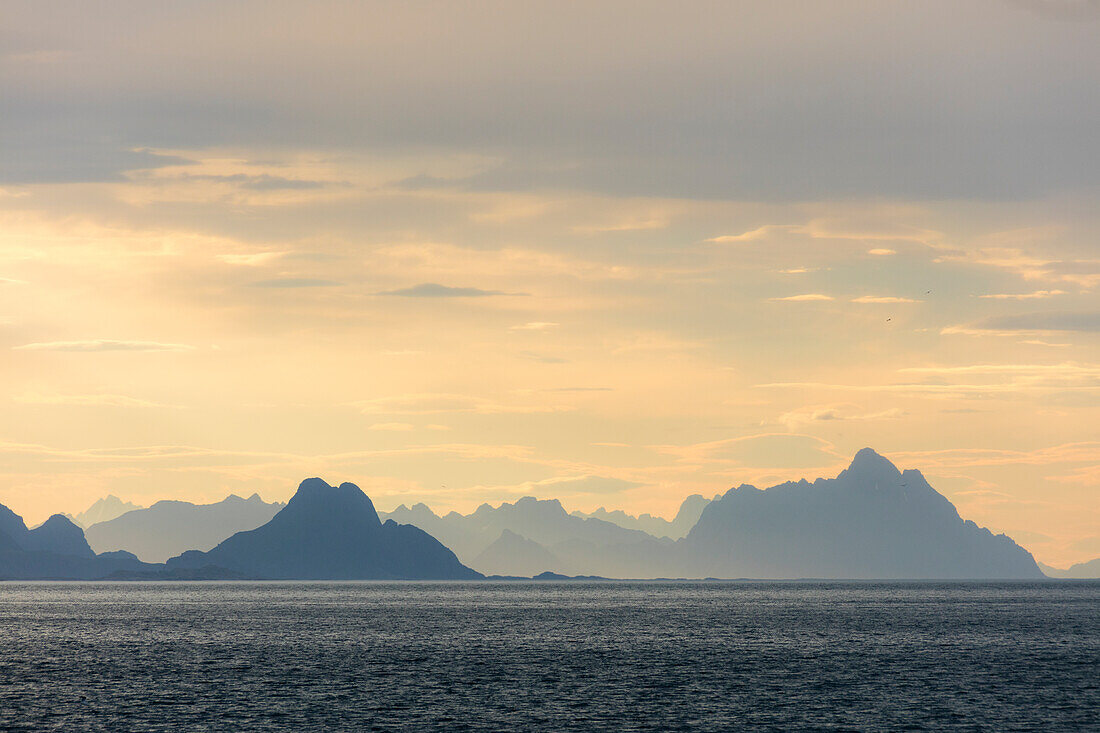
(881, 252)
(252, 260)
(1036, 295)
(431, 403)
(801, 417)
(1085, 321)
(393, 427)
(534, 326)
(762, 232)
(883, 299)
(295, 282)
(435, 290)
(88, 400)
(575, 485)
(805, 297)
(102, 345)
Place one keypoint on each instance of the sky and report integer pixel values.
(614, 253)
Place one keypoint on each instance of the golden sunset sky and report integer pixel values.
(614, 253)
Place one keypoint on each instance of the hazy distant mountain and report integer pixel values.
(54, 550)
(580, 545)
(168, 528)
(512, 554)
(331, 533)
(1080, 571)
(103, 510)
(685, 518)
(871, 521)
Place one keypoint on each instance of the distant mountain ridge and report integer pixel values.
(688, 514)
(168, 528)
(871, 521)
(331, 533)
(538, 528)
(1087, 570)
(103, 510)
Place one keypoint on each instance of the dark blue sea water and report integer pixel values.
(549, 656)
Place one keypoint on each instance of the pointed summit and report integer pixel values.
(868, 466)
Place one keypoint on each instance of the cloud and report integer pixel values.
(90, 400)
(883, 299)
(1037, 295)
(542, 358)
(1084, 273)
(766, 450)
(807, 415)
(805, 297)
(435, 290)
(534, 326)
(294, 282)
(253, 260)
(102, 345)
(1082, 452)
(881, 251)
(1082, 321)
(1065, 369)
(579, 485)
(430, 403)
(762, 232)
(394, 427)
(261, 182)
(580, 389)
(640, 129)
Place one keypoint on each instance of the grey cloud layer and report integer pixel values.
(715, 100)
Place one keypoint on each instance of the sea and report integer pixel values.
(550, 656)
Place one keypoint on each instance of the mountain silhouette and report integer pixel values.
(513, 554)
(1080, 571)
(58, 534)
(688, 514)
(871, 521)
(54, 550)
(331, 533)
(580, 545)
(103, 510)
(169, 528)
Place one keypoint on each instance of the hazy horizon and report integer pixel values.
(615, 257)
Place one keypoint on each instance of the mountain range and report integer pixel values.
(688, 514)
(570, 544)
(102, 510)
(169, 528)
(1081, 571)
(870, 521)
(55, 549)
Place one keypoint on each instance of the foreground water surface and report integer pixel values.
(549, 656)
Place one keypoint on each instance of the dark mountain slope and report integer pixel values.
(331, 533)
